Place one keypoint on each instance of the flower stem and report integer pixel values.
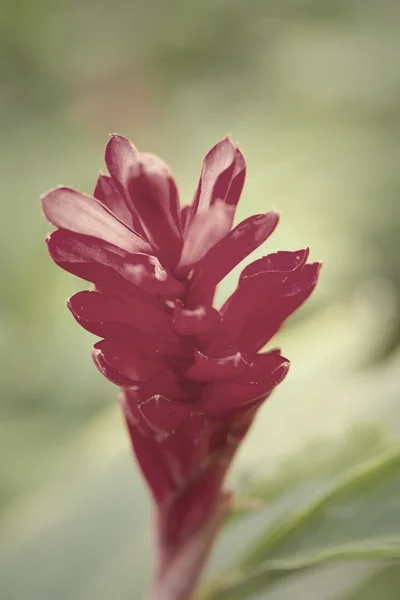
(179, 569)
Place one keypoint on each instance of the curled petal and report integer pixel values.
(262, 286)
(206, 368)
(119, 155)
(150, 192)
(116, 357)
(149, 345)
(204, 230)
(71, 247)
(238, 178)
(198, 321)
(145, 271)
(80, 213)
(278, 265)
(93, 307)
(107, 193)
(269, 318)
(222, 176)
(229, 252)
(154, 196)
(106, 279)
(108, 371)
(224, 397)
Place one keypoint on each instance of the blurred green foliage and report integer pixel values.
(315, 463)
(311, 91)
(357, 518)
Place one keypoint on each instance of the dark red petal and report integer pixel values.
(198, 321)
(154, 197)
(222, 176)
(147, 344)
(216, 162)
(229, 252)
(108, 371)
(263, 366)
(93, 307)
(222, 398)
(306, 280)
(74, 211)
(108, 281)
(190, 445)
(197, 438)
(143, 270)
(162, 415)
(185, 438)
(204, 230)
(282, 263)
(150, 345)
(148, 452)
(68, 246)
(186, 213)
(268, 319)
(166, 384)
(119, 154)
(150, 192)
(238, 178)
(241, 420)
(152, 463)
(126, 360)
(206, 368)
(107, 193)
(261, 285)
(147, 273)
(198, 500)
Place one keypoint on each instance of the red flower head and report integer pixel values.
(192, 377)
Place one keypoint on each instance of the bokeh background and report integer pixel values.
(311, 91)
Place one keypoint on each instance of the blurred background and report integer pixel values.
(310, 89)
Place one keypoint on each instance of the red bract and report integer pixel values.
(192, 377)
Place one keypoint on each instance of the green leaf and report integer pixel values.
(358, 519)
(317, 464)
(384, 584)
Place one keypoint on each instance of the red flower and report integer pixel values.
(192, 377)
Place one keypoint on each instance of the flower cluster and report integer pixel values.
(191, 376)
